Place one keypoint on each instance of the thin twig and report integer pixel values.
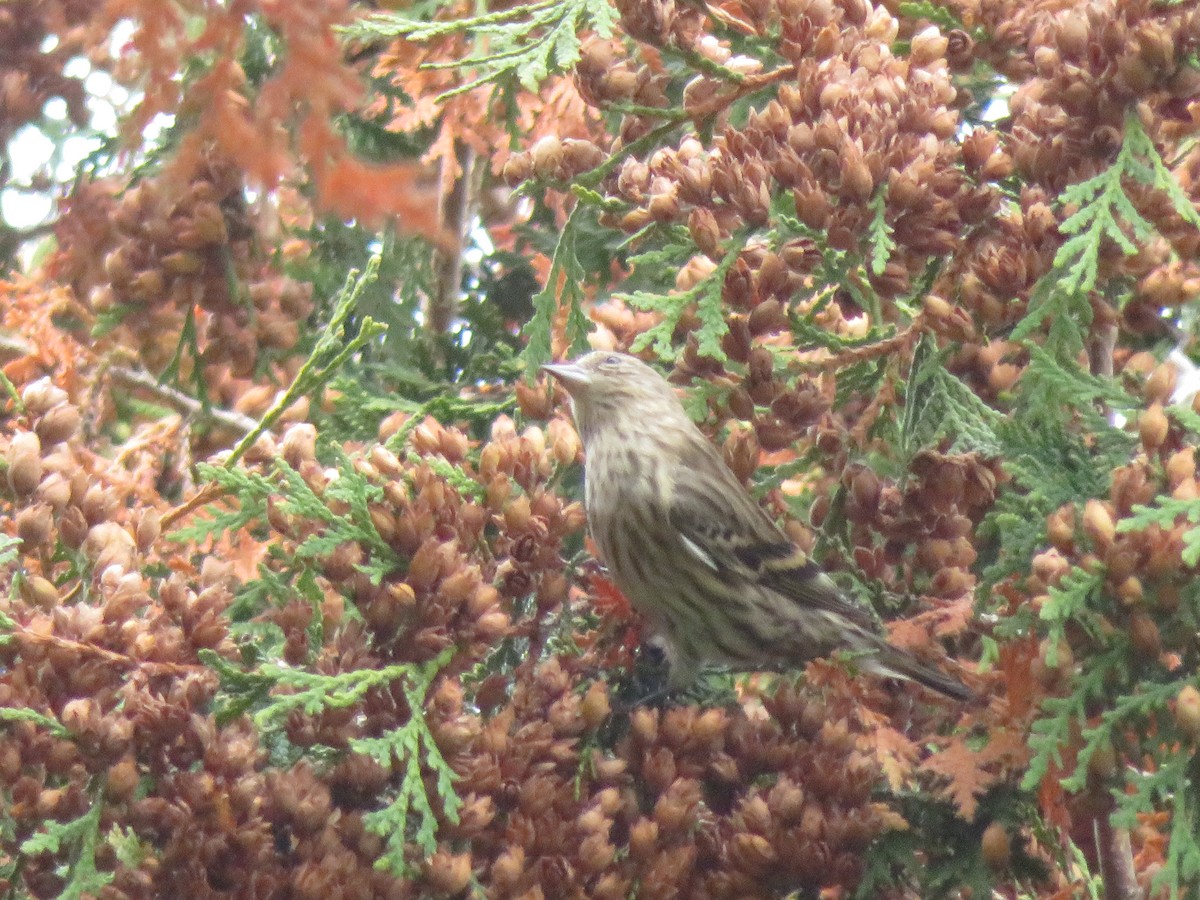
(181, 402)
(899, 341)
(206, 494)
(50, 640)
(1101, 345)
(1117, 869)
(457, 210)
(13, 347)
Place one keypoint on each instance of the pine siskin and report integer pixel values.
(691, 549)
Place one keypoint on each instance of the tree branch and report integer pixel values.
(181, 402)
(1116, 860)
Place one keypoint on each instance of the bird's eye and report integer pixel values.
(610, 361)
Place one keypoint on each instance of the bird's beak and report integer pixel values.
(571, 376)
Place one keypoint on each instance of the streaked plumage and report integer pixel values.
(690, 548)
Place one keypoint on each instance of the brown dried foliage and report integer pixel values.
(151, 257)
(30, 73)
(113, 657)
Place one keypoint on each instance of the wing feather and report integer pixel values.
(730, 534)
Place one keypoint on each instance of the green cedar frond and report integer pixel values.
(8, 548)
(333, 349)
(1105, 214)
(251, 492)
(416, 751)
(273, 692)
(82, 877)
(523, 44)
(566, 268)
(940, 16)
(24, 714)
(1165, 512)
(879, 233)
(706, 295)
(937, 405)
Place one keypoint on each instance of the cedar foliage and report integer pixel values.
(295, 599)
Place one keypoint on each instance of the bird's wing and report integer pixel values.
(724, 528)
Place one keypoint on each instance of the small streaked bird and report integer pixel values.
(693, 552)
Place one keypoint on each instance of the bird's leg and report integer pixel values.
(648, 682)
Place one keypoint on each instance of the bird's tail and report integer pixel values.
(892, 662)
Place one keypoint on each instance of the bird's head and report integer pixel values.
(615, 390)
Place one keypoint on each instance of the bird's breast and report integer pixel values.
(625, 494)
